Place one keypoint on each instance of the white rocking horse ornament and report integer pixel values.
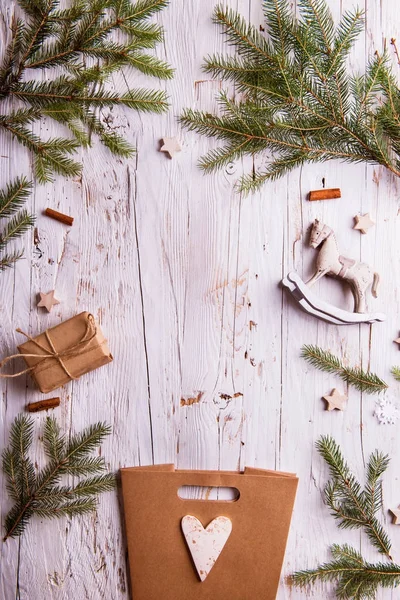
(329, 262)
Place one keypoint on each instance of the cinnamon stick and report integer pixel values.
(43, 404)
(325, 194)
(54, 214)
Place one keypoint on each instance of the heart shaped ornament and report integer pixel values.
(206, 545)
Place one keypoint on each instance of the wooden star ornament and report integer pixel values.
(363, 223)
(396, 515)
(48, 300)
(171, 146)
(336, 400)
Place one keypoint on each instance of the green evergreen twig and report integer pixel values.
(79, 41)
(19, 221)
(354, 507)
(296, 101)
(325, 361)
(40, 493)
(355, 578)
(396, 373)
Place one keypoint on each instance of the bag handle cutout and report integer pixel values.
(209, 492)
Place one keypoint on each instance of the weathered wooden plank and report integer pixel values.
(183, 275)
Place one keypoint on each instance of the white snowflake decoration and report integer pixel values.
(386, 411)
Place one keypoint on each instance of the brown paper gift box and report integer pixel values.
(248, 567)
(81, 345)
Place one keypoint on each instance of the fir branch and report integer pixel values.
(149, 65)
(12, 198)
(95, 485)
(377, 465)
(355, 578)
(77, 449)
(353, 507)
(73, 39)
(87, 466)
(50, 156)
(8, 260)
(68, 509)
(38, 493)
(396, 373)
(9, 61)
(325, 361)
(16, 227)
(85, 488)
(297, 102)
(53, 442)
(11, 467)
(21, 438)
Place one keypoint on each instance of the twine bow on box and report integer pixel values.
(52, 354)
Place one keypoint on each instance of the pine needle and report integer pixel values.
(325, 361)
(39, 493)
(354, 508)
(298, 102)
(80, 42)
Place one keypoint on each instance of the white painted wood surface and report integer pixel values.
(183, 275)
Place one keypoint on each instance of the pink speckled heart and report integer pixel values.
(206, 545)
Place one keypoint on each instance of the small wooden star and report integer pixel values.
(335, 400)
(396, 515)
(48, 300)
(171, 146)
(363, 223)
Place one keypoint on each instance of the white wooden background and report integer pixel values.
(183, 275)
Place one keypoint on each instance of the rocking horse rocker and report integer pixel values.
(329, 262)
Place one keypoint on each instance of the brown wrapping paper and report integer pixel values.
(80, 345)
(248, 567)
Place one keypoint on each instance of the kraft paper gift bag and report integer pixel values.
(252, 531)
